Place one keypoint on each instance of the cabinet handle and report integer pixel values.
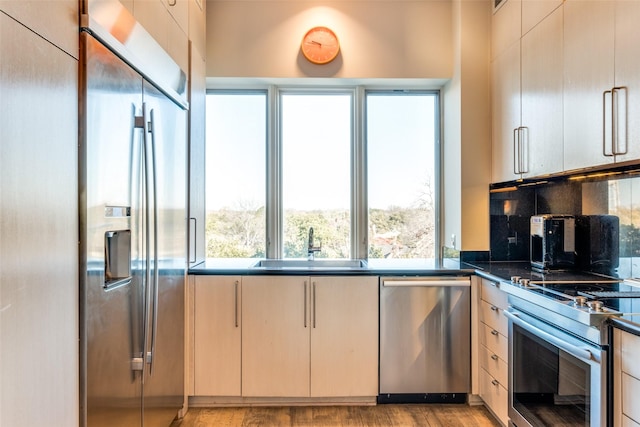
(172, 2)
(516, 152)
(607, 94)
(193, 232)
(494, 308)
(522, 139)
(619, 117)
(494, 356)
(314, 305)
(236, 284)
(520, 161)
(495, 382)
(494, 332)
(305, 303)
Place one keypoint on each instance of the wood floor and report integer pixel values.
(428, 415)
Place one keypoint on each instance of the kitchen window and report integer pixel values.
(235, 173)
(316, 191)
(401, 179)
(359, 166)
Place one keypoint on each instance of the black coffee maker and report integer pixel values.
(553, 242)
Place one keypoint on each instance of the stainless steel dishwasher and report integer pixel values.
(425, 339)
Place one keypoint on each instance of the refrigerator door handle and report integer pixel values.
(142, 122)
(156, 273)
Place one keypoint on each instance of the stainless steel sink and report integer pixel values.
(342, 264)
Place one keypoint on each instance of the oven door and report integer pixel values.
(555, 378)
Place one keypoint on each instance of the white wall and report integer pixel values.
(428, 41)
(379, 39)
(467, 130)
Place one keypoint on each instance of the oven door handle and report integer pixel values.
(579, 352)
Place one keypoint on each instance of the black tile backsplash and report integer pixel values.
(512, 207)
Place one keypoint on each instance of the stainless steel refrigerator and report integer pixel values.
(132, 228)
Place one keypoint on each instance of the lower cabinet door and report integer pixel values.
(217, 335)
(275, 336)
(344, 336)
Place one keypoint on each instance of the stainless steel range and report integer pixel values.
(559, 346)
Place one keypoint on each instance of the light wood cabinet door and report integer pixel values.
(534, 11)
(179, 10)
(275, 336)
(39, 357)
(505, 106)
(167, 23)
(344, 336)
(217, 336)
(153, 16)
(627, 64)
(505, 27)
(197, 142)
(197, 26)
(589, 71)
(626, 378)
(541, 90)
(54, 20)
(177, 44)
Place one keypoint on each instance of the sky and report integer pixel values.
(316, 137)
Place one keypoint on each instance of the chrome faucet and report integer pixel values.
(312, 249)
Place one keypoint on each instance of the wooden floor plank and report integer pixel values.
(414, 415)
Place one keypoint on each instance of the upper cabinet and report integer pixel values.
(601, 80)
(540, 135)
(589, 72)
(505, 84)
(179, 10)
(169, 23)
(577, 74)
(505, 106)
(505, 26)
(527, 91)
(197, 26)
(53, 20)
(534, 11)
(627, 64)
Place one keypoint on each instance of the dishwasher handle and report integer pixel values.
(428, 282)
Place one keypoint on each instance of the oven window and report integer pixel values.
(550, 387)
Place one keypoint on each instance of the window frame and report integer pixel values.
(358, 163)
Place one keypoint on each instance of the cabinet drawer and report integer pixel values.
(630, 345)
(491, 293)
(492, 316)
(493, 364)
(495, 396)
(630, 393)
(494, 341)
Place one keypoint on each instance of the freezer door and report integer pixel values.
(164, 370)
(111, 224)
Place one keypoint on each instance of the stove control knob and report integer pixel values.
(595, 305)
(580, 301)
(524, 282)
(515, 279)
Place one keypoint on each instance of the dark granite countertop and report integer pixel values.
(625, 324)
(374, 267)
(504, 270)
